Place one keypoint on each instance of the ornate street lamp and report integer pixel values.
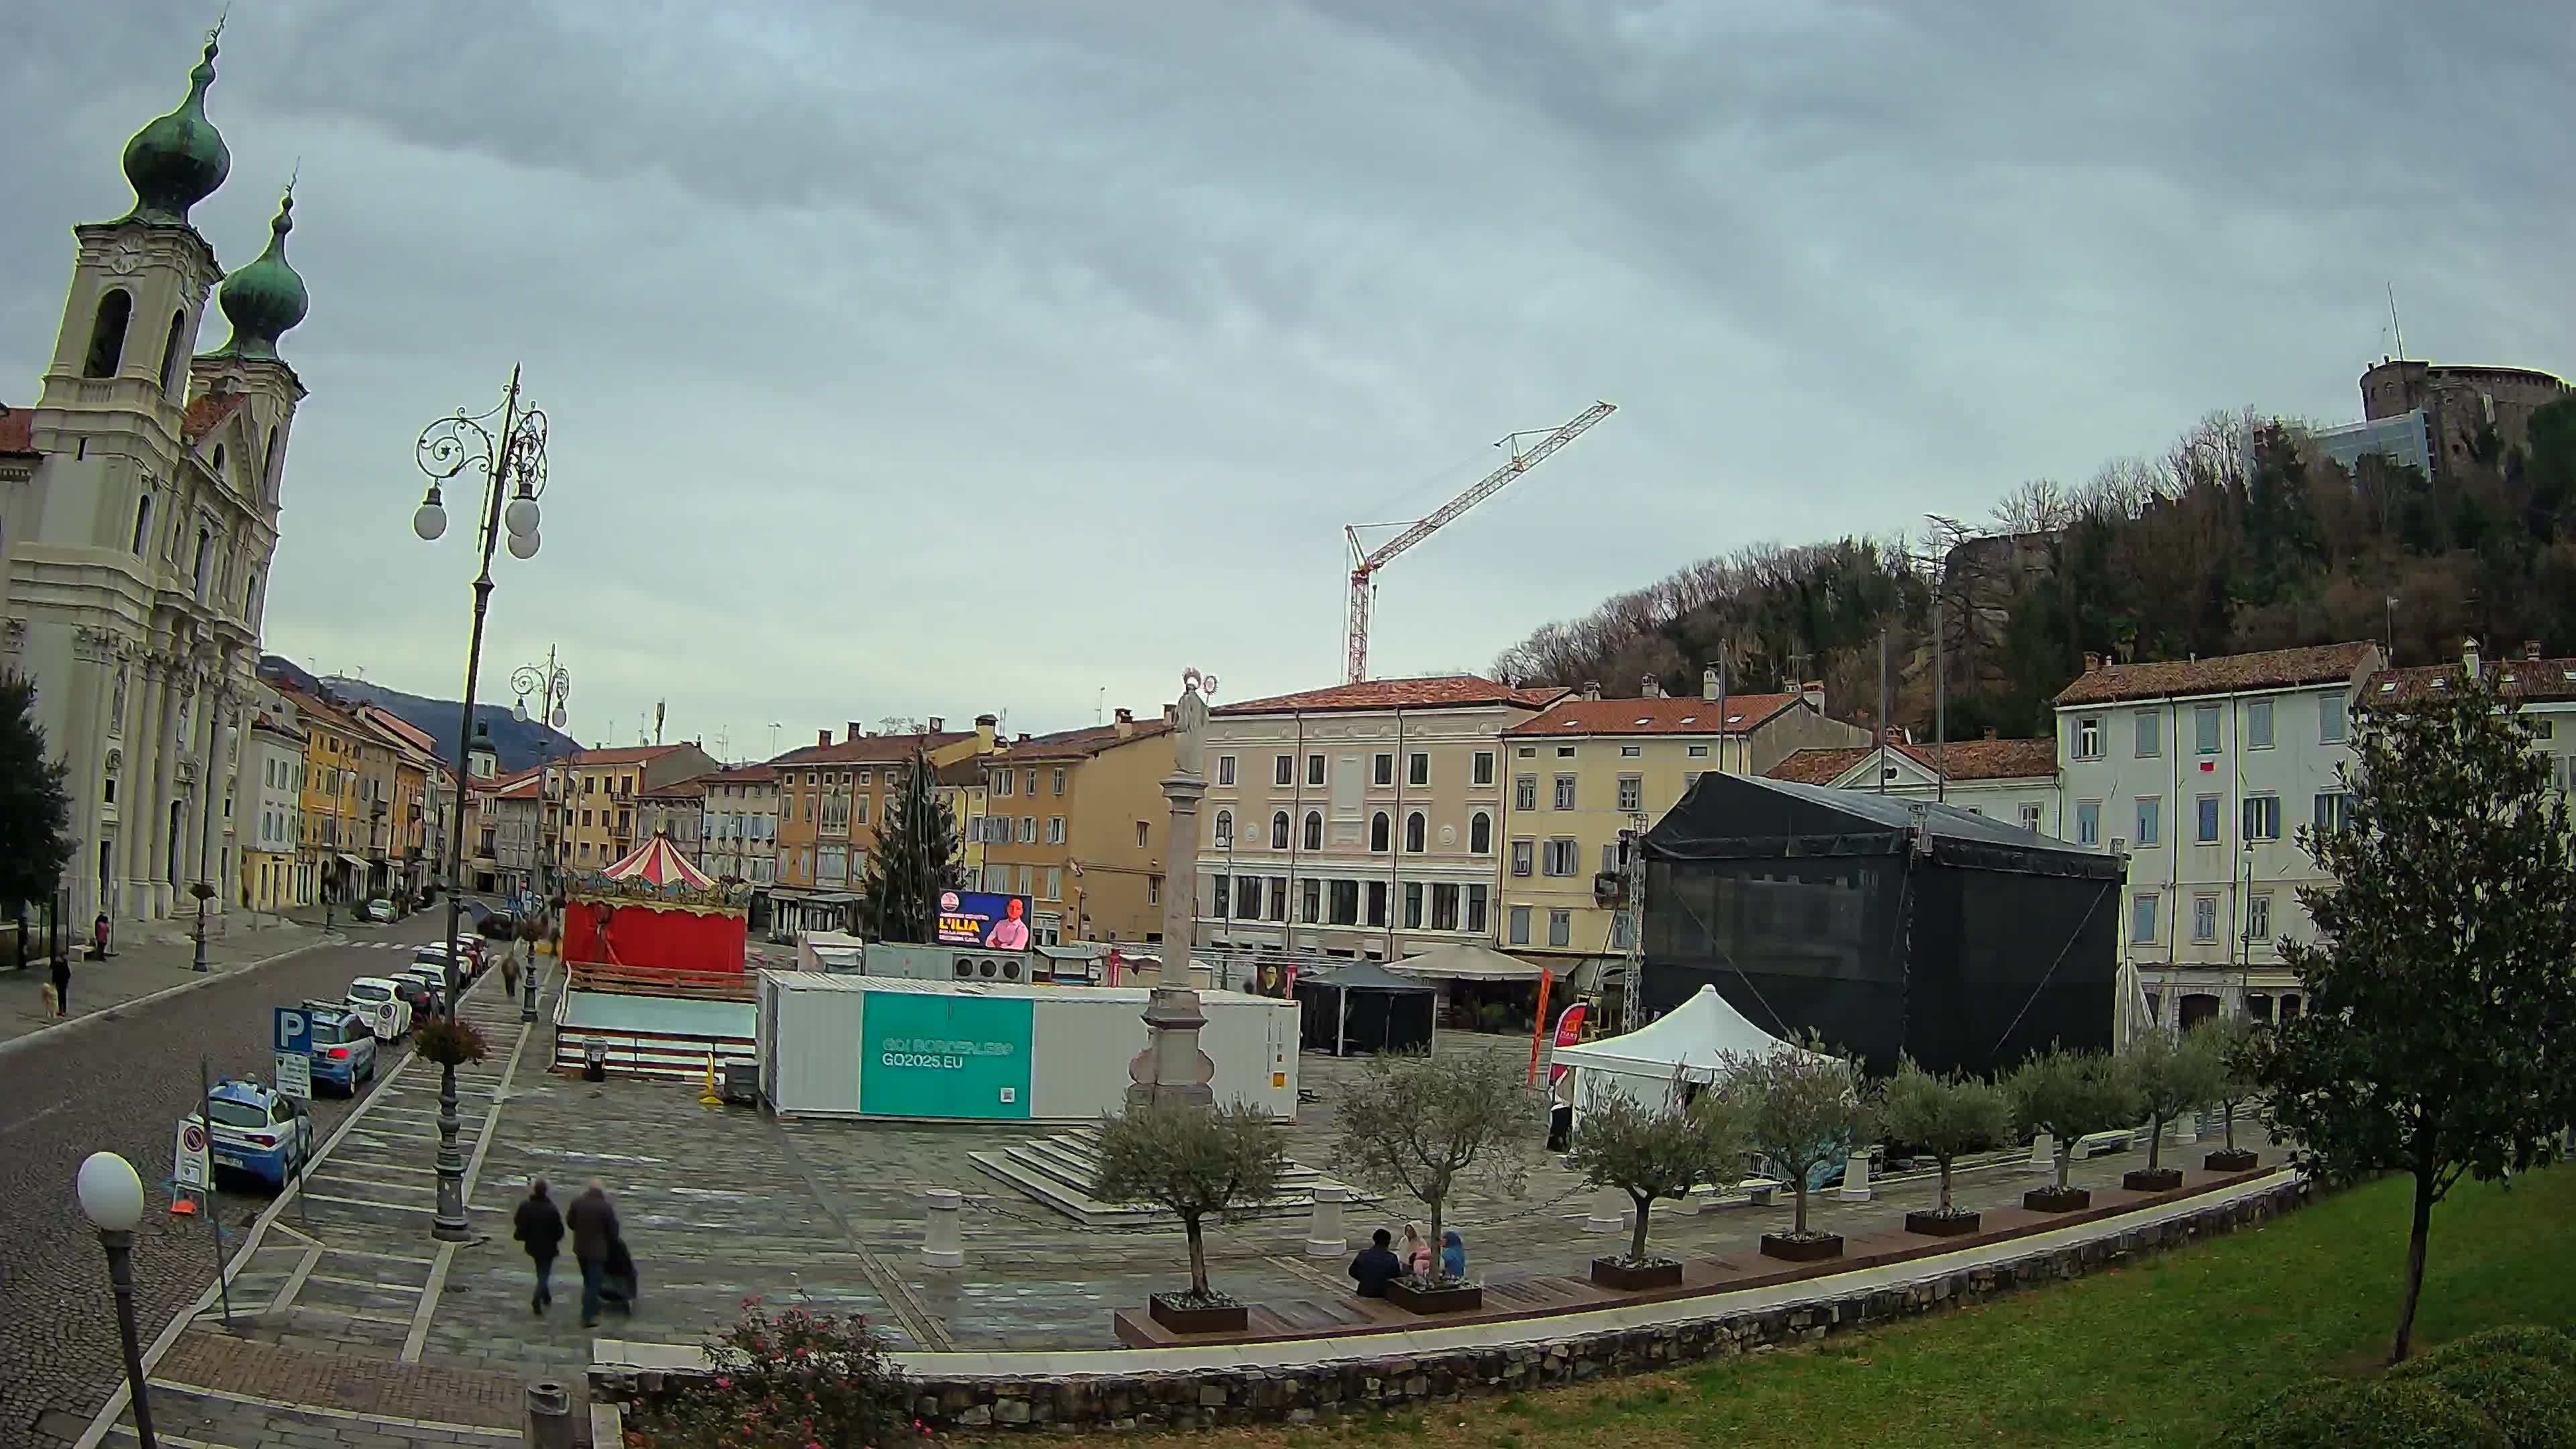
(513, 464)
(111, 1197)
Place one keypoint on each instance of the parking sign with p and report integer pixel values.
(293, 1039)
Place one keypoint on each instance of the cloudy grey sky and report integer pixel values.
(935, 356)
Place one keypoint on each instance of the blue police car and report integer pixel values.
(258, 1131)
(344, 1047)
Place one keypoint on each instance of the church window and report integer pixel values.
(205, 553)
(107, 334)
(142, 524)
(171, 378)
(219, 462)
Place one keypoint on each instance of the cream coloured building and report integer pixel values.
(1586, 772)
(1363, 820)
(140, 514)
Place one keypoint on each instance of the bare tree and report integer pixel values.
(1193, 1163)
(1651, 1154)
(1423, 1125)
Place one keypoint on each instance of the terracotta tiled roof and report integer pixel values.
(742, 775)
(208, 412)
(1432, 692)
(400, 728)
(872, 749)
(2227, 674)
(320, 708)
(2530, 679)
(277, 726)
(1084, 743)
(1966, 759)
(1691, 716)
(623, 755)
(17, 430)
(695, 787)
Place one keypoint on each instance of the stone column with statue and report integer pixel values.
(1172, 1069)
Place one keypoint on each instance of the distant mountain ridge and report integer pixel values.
(518, 744)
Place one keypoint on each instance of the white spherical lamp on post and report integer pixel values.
(111, 1197)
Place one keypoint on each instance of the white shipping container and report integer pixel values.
(866, 1046)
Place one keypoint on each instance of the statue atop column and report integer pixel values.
(1189, 721)
(1172, 1068)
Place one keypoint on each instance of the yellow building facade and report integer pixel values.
(1587, 774)
(334, 799)
(1077, 822)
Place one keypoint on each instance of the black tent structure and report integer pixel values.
(1363, 1007)
(1885, 924)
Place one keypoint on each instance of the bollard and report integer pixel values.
(1609, 1212)
(2186, 1128)
(940, 1245)
(1325, 1237)
(549, 1416)
(2043, 1153)
(1855, 1186)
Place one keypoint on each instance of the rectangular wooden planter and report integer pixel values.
(2223, 1160)
(1801, 1250)
(1181, 1318)
(2050, 1200)
(2157, 1179)
(1455, 1298)
(1942, 1225)
(1612, 1273)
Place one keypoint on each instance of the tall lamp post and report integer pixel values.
(111, 1197)
(552, 685)
(513, 464)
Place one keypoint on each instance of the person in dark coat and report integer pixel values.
(1376, 1266)
(594, 1231)
(540, 1228)
(63, 984)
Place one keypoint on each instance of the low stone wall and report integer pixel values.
(1308, 1392)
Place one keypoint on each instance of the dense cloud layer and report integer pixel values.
(953, 355)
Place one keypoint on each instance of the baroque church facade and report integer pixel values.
(138, 518)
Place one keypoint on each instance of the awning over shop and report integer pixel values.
(353, 860)
(1466, 961)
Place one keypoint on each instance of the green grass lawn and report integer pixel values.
(2172, 1350)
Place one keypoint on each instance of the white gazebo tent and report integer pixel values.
(1662, 1063)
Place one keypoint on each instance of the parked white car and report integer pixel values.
(380, 911)
(382, 1004)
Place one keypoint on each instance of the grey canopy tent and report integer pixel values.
(1360, 1006)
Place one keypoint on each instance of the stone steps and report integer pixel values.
(1058, 1170)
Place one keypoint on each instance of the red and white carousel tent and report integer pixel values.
(659, 863)
(653, 910)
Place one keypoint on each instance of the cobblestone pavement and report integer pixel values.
(722, 1204)
(122, 1085)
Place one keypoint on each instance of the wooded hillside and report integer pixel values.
(2240, 537)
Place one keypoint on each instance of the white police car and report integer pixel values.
(258, 1132)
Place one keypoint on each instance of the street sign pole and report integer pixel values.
(214, 1216)
(293, 1038)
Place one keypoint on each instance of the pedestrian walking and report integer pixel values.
(98, 938)
(539, 1228)
(62, 985)
(594, 1230)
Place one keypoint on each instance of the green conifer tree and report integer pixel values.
(915, 859)
(35, 811)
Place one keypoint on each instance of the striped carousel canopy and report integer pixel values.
(659, 864)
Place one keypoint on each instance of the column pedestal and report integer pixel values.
(1325, 1236)
(942, 1245)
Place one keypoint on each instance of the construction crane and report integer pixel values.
(1366, 562)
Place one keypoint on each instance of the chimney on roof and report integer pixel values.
(2092, 661)
(855, 731)
(1650, 688)
(1592, 689)
(1813, 692)
(1024, 738)
(2469, 657)
(985, 726)
(2530, 648)
(1990, 732)
(1708, 684)
(823, 737)
(938, 724)
(1126, 723)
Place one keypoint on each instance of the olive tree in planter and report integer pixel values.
(2170, 1078)
(1194, 1163)
(2070, 1095)
(1651, 1153)
(1946, 1117)
(1800, 1108)
(2235, 1048)
(1421, 1126)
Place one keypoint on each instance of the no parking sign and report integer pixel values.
(188, 1166)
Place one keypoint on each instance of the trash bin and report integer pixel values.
(741, 1084)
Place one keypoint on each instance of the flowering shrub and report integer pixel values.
(794, 1379)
